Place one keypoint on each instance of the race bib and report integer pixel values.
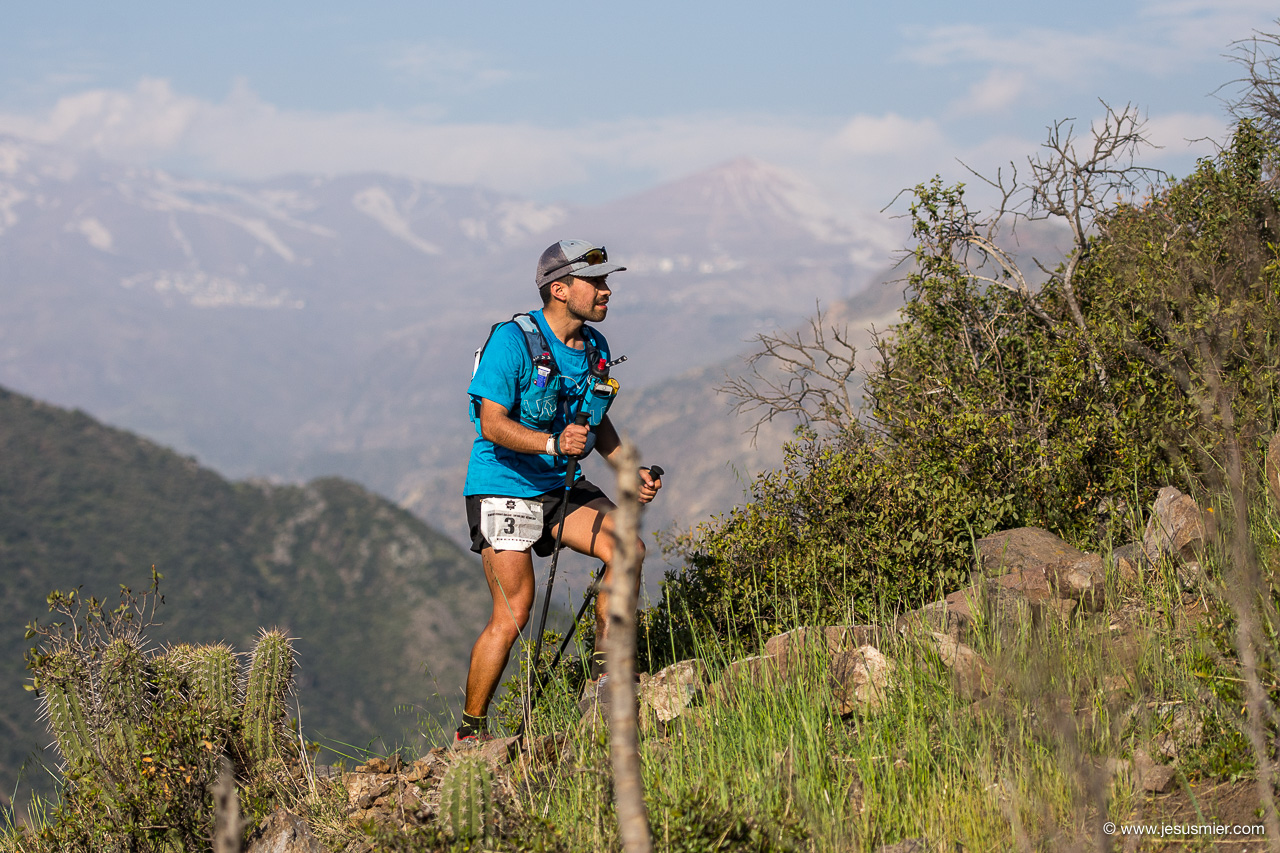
(511, 524)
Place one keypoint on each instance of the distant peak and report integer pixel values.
(748, 169)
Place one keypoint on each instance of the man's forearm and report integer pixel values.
(500, 428)
(607, 441)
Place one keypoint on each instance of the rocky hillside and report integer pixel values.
(384, 608)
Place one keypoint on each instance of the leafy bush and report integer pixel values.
(1148, 357)
(817, 532)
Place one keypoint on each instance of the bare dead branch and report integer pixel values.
(1259, 98)
(620, 648)
(805, 375)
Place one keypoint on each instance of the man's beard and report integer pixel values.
(594, 312)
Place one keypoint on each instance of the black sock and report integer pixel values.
(473, 726)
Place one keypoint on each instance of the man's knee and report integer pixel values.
(509, 622)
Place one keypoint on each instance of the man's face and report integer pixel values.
(587, 299)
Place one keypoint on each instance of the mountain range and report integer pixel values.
(311, 325)
(383, 608)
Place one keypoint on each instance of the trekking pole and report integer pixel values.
(539, 683)
(657, 472)
(580, 420)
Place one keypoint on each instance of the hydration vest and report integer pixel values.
(546, 399)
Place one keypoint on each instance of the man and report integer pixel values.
(529, 385)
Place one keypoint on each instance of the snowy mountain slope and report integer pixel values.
(313, 324)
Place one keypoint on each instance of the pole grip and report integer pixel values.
(572, 470)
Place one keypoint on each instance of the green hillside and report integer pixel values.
(384, 608)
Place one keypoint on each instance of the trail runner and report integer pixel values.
(524, 405)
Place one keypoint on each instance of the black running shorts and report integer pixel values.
(582, 493)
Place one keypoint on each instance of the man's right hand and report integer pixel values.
(573, 441)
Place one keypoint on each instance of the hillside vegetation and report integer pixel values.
(1148, 358)
(383, 608)
(1031, 708)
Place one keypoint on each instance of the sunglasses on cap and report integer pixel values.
(592, 257)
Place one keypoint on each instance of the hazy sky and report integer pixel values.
(588, 102)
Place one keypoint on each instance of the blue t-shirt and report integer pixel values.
(506, 376)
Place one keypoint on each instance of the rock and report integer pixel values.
(831, 639)
(364, 788)
(421, 769)
(1059, 609)
(953, 615)
(380, 765)
(971, 674)
(1151, 777)
(1030, 584)
(284, 832)
(548, 748)
(1023, 548)
(1176, 528)
(1129, 560)
(859, 678)
(1081, 579)
(670, 691)
(500, 750)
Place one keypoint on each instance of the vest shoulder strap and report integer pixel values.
(533, 338)
(534, 341)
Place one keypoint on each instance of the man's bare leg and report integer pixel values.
(511, 585)
(590, 530)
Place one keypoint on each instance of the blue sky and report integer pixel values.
(585, 103)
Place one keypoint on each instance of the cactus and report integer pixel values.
(63, 692)
(213, 677)
(266, 689)
(466, 799)
(121, 701)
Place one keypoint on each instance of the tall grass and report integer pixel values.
(764, 763)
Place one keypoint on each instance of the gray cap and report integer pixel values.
(569, 257)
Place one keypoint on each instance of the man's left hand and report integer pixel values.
(649, 485)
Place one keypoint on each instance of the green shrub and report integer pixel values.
(1147, 358)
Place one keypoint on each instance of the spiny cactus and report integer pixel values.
(142, 733)
(96, 717)
(62, 697)
(214, 675)
(466, 799)
(266, 691)
(120, 700)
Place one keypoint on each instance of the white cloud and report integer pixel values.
(997, 91)
(1203, 26)
(1161, 37)
(862, 162)
(151, 119)
(1176, 134)
(1039, 52)
(444, 67)
(244, 136)
(892, 133)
